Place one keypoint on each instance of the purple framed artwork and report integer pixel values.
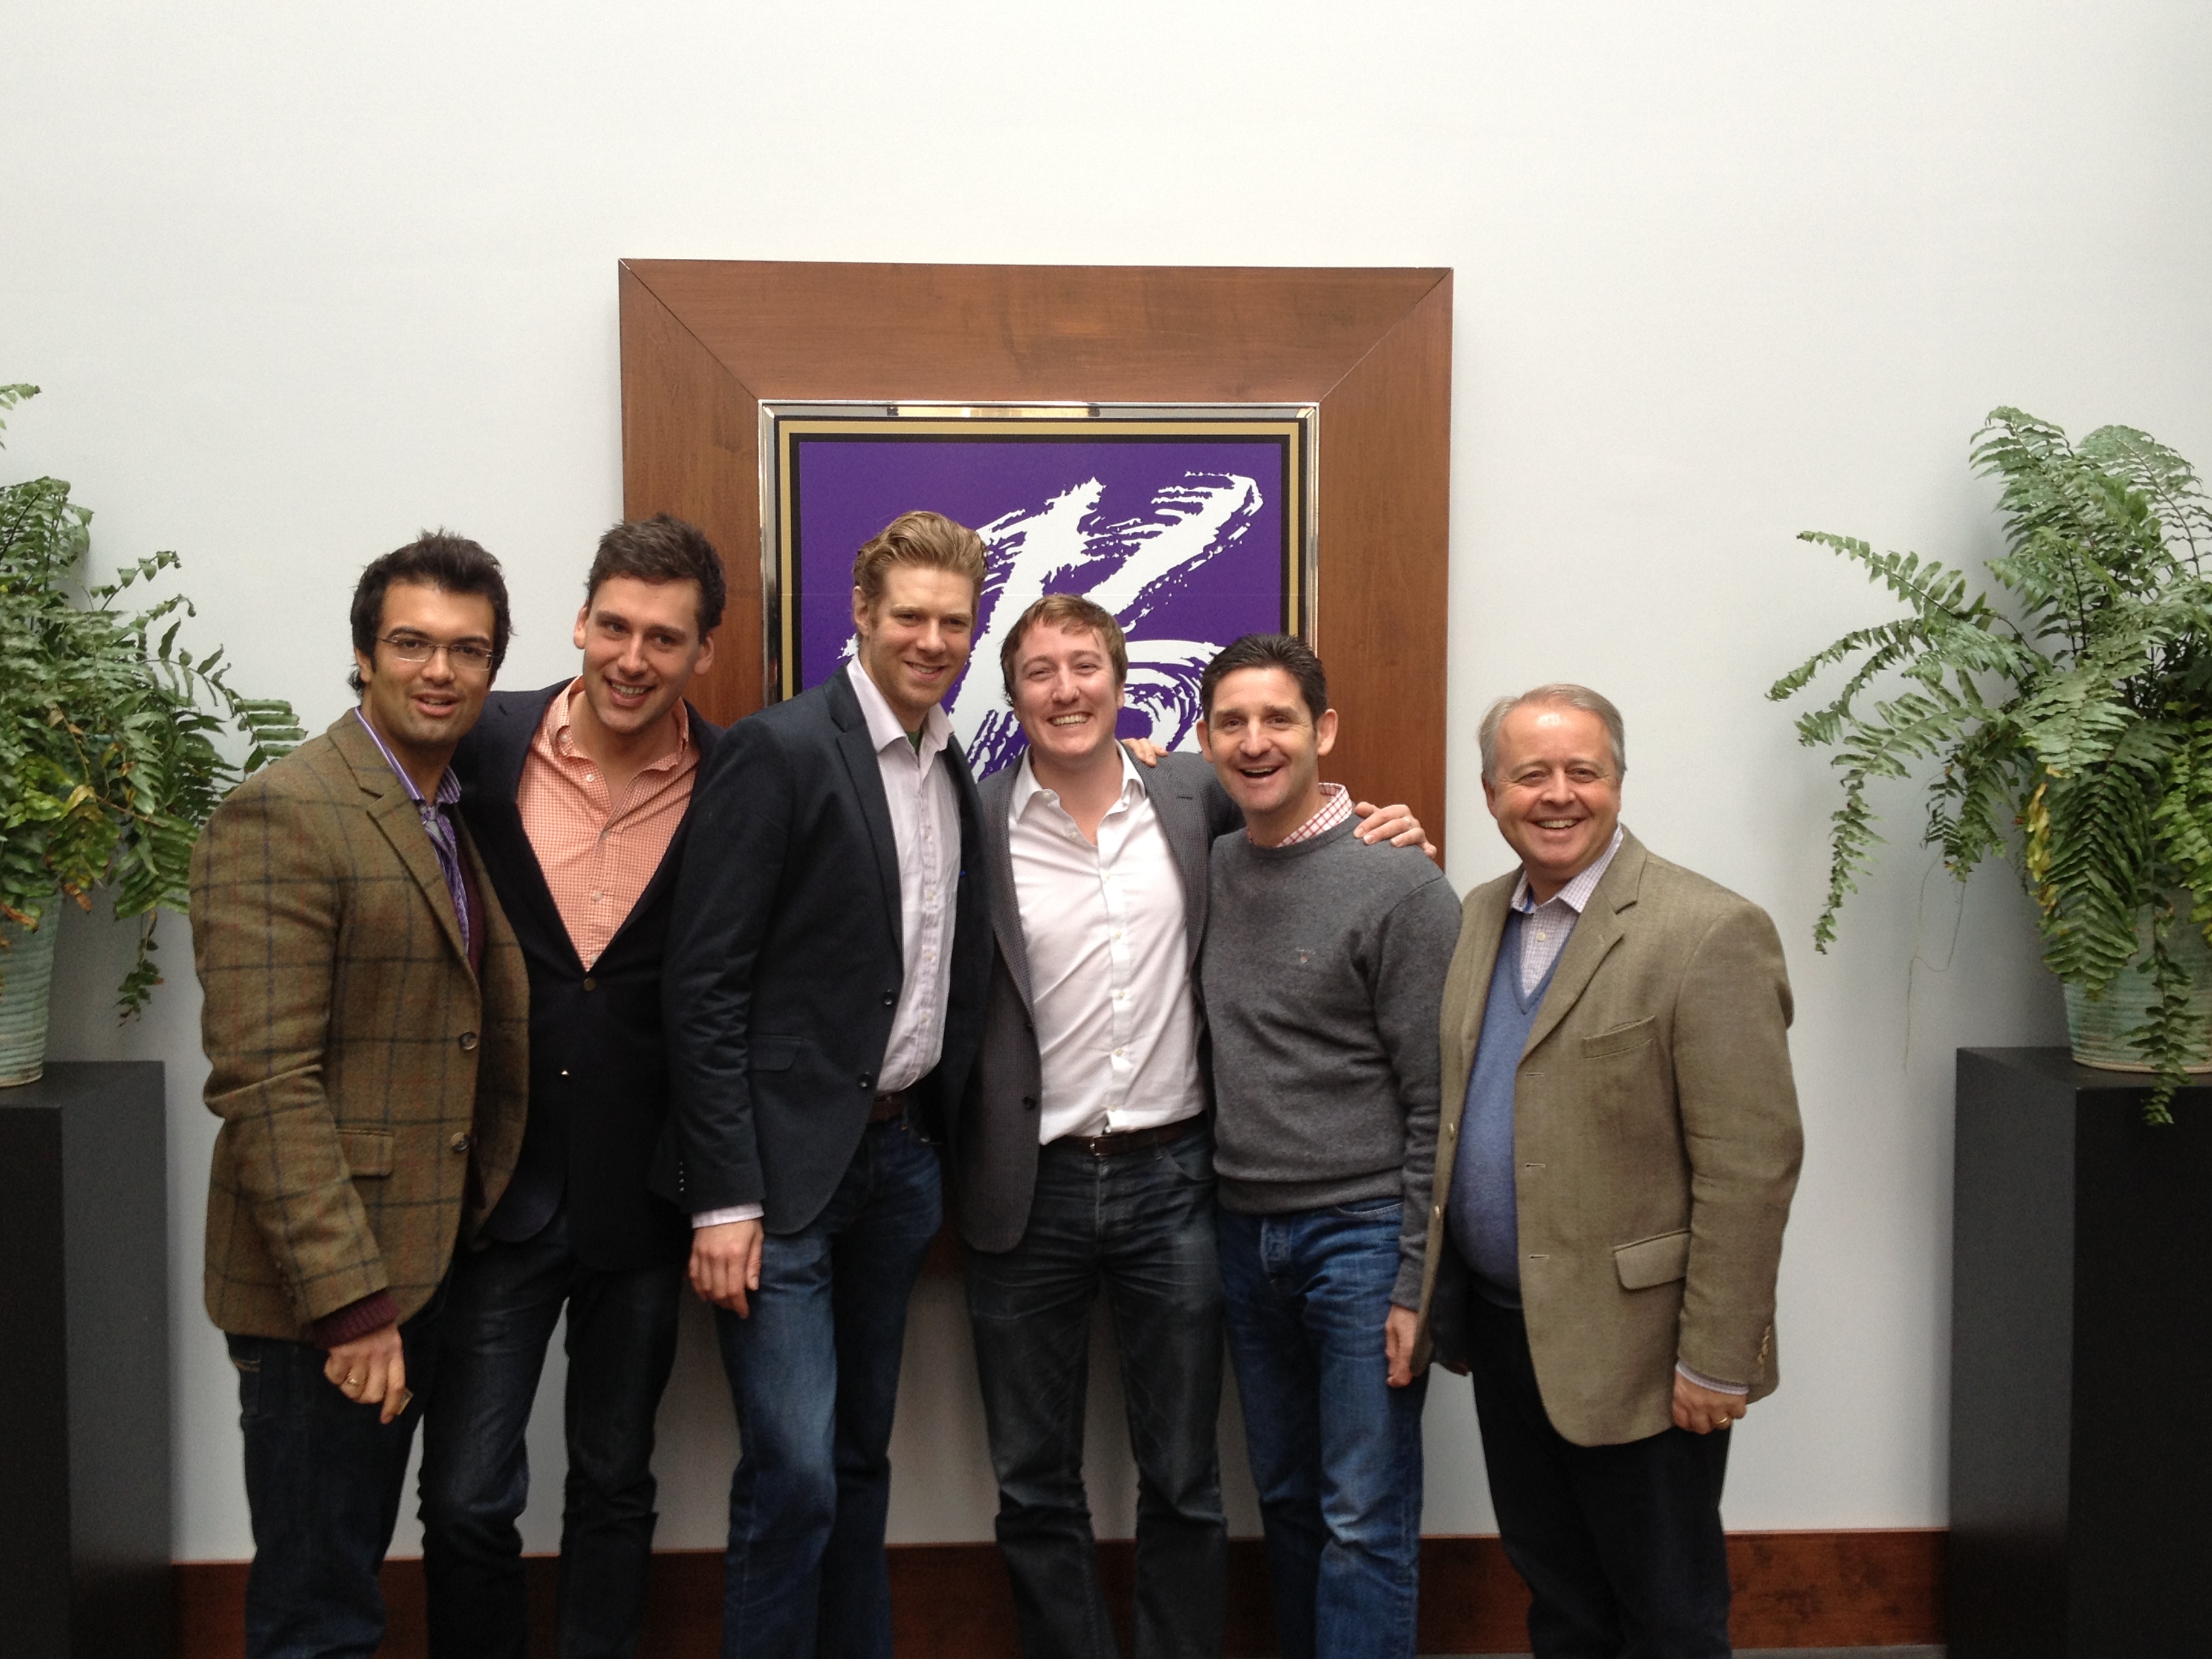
(1191, 524)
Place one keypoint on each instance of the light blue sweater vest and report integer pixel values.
(1484, 1216)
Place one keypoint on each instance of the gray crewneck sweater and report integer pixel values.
(1323, 974)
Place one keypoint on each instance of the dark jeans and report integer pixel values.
(1336, 1451)
(323, 1480)
(499, 1312)
(1141, 1223)
(814, 1375)
(1621, 1546)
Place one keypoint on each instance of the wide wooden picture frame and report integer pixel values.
(706, 344)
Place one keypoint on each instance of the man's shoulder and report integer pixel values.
(317, 771)
(1677, 888)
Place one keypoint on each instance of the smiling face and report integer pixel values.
(1064, 694)
(641, 646)
(1557, 793)
(421, 709)
(1266, 747)
(916, 642)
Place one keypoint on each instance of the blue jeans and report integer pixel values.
(322, 1480)
(1141, 1223)
(813, 1374)
(1336, 1451)
(499, 1312)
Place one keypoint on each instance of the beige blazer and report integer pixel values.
(360, 1068)
(1656, 1145)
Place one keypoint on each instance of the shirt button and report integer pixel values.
(468, 1040)
(591, 777)
(460, 1143)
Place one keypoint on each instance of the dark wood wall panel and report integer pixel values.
(1380, 613)
(704, 341)
(1793, 1589)
(691, 446)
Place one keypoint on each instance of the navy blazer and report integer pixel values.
(998, 1140)
(598, 1073)
(784, 963)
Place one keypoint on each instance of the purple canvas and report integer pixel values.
(1182, 539)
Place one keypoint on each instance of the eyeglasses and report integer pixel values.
(464, 658)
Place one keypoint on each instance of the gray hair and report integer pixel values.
(1562, 694)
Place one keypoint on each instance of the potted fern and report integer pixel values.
(2070, 723)
(109, 763)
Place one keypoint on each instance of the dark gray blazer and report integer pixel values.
(784, 965)
(996, 1157)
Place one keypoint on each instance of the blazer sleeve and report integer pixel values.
(1741, 1135)
(726, 895)
(267, 907)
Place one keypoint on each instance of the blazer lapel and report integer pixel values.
(1488, 929)
(858, 751)
(394, 814)
(1182, 818)
(506, 750)
(1596, 934)
(998, 878)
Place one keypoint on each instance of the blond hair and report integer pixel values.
(929, 540)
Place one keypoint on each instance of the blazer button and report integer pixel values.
(468, 1040)
(867, 1081)
(590, 984)
(890, 999)
(460, 1143)
(1029, 1102)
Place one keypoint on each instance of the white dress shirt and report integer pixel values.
(926, 825)
(1105, 932)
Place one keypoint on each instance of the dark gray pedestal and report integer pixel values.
(2081, 1366)
(84, 1368)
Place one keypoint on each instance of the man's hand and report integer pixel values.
(1144, 750)
(1396, 821)
(1702, 1410)
(1398, 1344)
(726, 1264)
(371, 1369)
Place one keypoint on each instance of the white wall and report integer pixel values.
(300, 280)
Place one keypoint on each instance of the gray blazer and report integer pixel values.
(1656, 1147)
(995, 1169)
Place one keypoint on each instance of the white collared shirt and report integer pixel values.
(1104, 930)
(1545, 933)
(925, 824)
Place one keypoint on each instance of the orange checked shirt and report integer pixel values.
(597, 852)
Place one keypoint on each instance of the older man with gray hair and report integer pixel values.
(1619, 1147)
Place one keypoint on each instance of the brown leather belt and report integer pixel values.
(888, 1107)
(1115, 1141)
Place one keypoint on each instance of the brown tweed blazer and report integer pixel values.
(1656, 1145)
(358, 1066)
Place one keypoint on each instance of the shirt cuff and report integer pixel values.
(723, 1217)
(354, 1321)
(1714, 1384)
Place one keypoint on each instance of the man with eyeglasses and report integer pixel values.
(580, 795)
(365, 1022)
(1620, 1146)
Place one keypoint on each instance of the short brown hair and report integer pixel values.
(1293, 656)
(663, 549)
(1070, 612)
(1562, 693)
(927, 539)
(439, 559)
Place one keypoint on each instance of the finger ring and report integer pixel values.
(352, 1382)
